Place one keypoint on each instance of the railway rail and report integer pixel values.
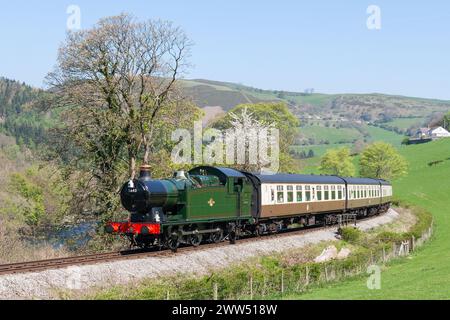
(58, 263)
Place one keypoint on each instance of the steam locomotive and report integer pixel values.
(213, 203)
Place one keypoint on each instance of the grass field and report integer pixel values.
(330, 134)
(333, 134)
(426, 274)
(405, 123)
(379, 134)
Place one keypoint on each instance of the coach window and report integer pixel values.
(333, 192)
(290, 194)
(319, 193)
(280, 194)
(326, 193)
(365, 192)
(339, 192)
(307, 193)
(358, 193)
(299, 193)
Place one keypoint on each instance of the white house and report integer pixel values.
(439, 132)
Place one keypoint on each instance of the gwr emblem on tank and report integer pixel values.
(211, 202)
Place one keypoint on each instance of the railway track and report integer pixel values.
(58, 263)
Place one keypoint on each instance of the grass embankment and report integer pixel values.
(426, 274)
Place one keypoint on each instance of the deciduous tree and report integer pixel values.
(337, 162)
(117, 86)
(382, 161)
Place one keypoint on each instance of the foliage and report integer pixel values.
(337, 162)
(405, 141)
(446, 121)
(117, 111)
(15, 97)
(45, 199)
(382, 161)
(350, 234)
(276, 114)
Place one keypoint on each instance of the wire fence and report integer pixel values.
(297, 279)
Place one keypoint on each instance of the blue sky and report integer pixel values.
(284, 45)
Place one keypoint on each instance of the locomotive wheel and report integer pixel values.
(216, 237)
(258, 231)
(173, 243)
(232, 237)
(195, 239)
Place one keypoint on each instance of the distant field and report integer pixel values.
(426, 274)
(333, 135)
(316, 99)
(319, 150)
(379, 134)
(405, 123)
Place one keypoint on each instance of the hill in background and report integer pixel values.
(364, 107)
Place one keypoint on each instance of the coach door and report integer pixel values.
(272, 194)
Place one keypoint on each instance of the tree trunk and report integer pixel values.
(146, 153)
(132, 167)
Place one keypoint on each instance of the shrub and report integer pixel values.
(350, 234)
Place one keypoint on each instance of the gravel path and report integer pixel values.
(49, 284)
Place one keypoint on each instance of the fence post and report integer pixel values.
(326, 273)
(251, 287)
(307, 276)
(394, 249)
(413, 243)
(215, 291)
(168, 295)
(265, 286)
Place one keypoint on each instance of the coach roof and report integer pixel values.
(298, 178)
(320, 179)
(367, 181)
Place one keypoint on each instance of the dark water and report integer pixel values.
(72, 237)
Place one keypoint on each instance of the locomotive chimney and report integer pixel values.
(145, 172)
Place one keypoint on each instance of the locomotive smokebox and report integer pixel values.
(143, 194)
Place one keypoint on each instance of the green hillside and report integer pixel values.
(426, 274)
(370, 107)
